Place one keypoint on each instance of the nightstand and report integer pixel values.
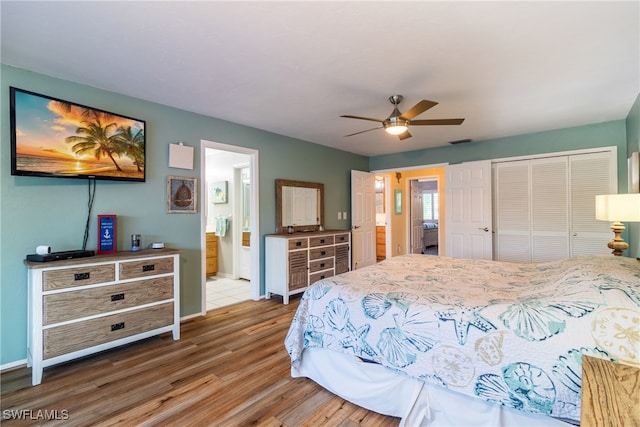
(610, 394)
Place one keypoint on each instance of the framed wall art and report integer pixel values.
(219, 192)
(398, 202)
(182, 194)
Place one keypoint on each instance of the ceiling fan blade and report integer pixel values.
(404, 135)
(419, 108)
(348, 116)
(436, 122)
(363, 131)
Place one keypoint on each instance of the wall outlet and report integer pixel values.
(344, 215)
(339, 215)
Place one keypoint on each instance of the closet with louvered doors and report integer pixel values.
(544, 208)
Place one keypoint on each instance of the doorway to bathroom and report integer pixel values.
(229, 224)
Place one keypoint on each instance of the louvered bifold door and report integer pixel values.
(591, 174)
(512, 211)
(549, 209)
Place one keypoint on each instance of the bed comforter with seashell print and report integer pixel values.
(507, 333)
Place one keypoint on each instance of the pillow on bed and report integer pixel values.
(430, 225)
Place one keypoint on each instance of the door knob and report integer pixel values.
(483, 228)
(356, 226)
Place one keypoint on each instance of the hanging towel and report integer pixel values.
(222, 224)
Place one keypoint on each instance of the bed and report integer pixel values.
(429, 234)
(445, 341)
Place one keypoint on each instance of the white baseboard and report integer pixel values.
(13, 365)
(192, 316)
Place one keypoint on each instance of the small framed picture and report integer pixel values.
(398, 202)
(219, 192)
(182, 194)
(107, 242)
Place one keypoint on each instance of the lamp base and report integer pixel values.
(617, 244)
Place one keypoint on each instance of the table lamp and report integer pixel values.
(618, 208)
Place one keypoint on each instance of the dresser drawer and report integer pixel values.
(319, 276)
(71, 305)
(342, 238)
(78, 276)
(318, 253)
(80, 335)
(298, 243)
(320, 241)
(148, 267)
(319, 265)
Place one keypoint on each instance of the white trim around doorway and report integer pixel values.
(254, 221)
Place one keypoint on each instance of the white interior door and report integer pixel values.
(417, 229)
(468, 210)
(363, 219)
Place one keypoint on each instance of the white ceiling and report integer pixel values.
(293, 68)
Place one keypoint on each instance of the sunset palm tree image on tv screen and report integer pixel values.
(52, 137)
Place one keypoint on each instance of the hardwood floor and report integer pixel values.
(229, 368)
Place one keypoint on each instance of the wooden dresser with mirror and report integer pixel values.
(294, 260)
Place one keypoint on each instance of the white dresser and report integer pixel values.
(295, 261)
(85, 305)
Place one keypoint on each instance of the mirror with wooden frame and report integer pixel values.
(299, 204)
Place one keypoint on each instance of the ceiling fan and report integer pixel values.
(398, 123)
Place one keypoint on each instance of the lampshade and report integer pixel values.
(618, 207)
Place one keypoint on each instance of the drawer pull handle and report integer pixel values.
(322, 265)
(322, 277)
(298, 243)
(321, 240)
(81, 276)
(323, 253)
(149, 267)
(117, 297)
(117, 326)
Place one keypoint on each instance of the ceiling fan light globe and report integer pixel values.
(395, 125)
(396, 129)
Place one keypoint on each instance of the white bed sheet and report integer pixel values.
(416, 403)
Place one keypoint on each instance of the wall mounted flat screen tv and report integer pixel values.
(55, 138)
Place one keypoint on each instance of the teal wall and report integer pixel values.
(35, 211)
(576, 138)
(633, 145)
